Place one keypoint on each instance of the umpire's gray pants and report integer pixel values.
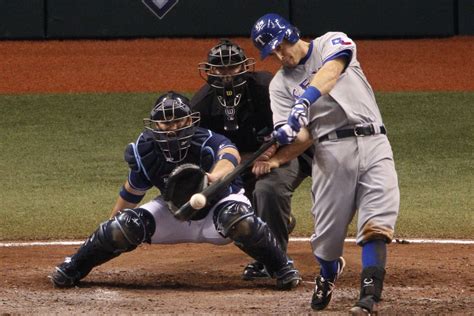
(272, 197)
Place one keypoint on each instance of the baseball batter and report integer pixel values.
(321, 97)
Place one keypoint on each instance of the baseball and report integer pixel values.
(198, 201)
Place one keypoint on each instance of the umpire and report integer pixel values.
(235, 102)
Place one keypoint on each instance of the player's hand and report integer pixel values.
(261, 168)
(211, 177)
(299, 114)
(268, 153)
(285, 134)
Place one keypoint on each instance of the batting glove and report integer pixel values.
(285, 134)
(299, 114)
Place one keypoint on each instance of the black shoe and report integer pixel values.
(323, 289)
(65, 275)
(291, 224)
(365, 306)
(288, 277)
(255, 271)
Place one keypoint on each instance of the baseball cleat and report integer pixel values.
(64, 276)
(323, 289)
(360, 311)
(288, 277)
(365, 306)
(255, 271)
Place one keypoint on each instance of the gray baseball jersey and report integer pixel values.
(349, 174)
(350, 102)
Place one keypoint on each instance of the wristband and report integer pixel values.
(311, 94)
(229, 157)
(130, 197)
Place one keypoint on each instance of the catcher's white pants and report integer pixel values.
(169, 230)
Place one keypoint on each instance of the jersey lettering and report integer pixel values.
(304, 84)
(297, 92)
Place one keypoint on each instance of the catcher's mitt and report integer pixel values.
(184, 181)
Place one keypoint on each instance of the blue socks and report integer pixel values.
(374, 254)
(328, 269)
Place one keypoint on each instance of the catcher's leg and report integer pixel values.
(238, 222)
(123, 233)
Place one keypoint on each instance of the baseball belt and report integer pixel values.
(359, 130)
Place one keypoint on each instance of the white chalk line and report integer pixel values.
(408, 241)
(292, 239)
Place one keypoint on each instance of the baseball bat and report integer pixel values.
(227, 179)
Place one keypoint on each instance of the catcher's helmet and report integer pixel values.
(225, 71)
(173, 125)
(270, 30)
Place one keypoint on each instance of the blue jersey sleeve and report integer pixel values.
(210, 144)
(139, 181)
(218, 142)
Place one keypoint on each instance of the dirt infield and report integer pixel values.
(202, 279)
(421, 279)
(171, 64)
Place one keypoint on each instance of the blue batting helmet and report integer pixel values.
(270, 30)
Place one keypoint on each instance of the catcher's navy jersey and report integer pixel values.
(148, 166)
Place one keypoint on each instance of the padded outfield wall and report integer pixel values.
(65, 19)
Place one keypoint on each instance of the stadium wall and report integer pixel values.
(108, 19)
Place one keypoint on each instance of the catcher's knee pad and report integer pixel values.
(235, 219)
(120, 234)
(238, 222)
(128, 229)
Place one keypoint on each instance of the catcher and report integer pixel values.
(178, 158)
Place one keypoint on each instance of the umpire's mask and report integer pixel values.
(225, 72)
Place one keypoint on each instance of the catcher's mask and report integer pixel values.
(173, 125)
(225, 72)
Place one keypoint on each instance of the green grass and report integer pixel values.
(432, 138)
(62, 162)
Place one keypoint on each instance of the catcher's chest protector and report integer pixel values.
(148, 155)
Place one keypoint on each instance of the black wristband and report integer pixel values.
(130, 197)
(229, 157)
